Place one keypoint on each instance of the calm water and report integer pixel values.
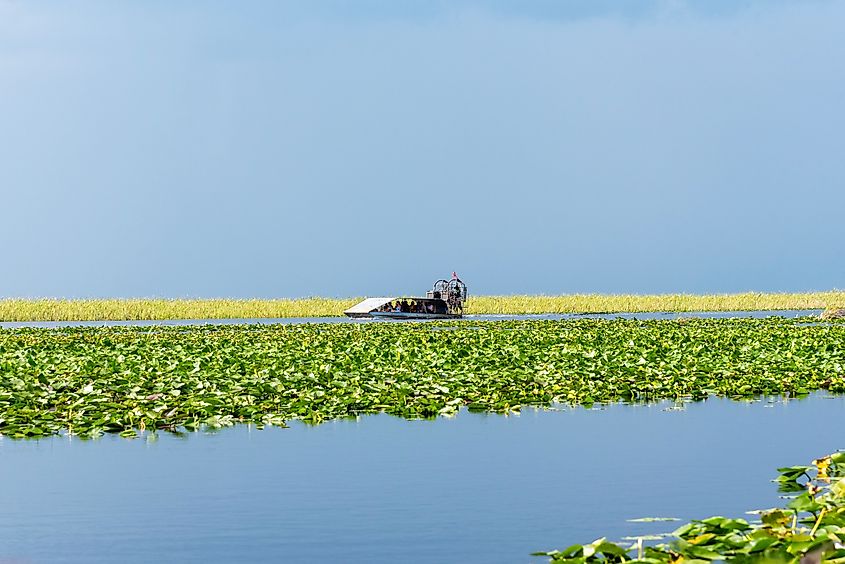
(475, 488)
(295, 320)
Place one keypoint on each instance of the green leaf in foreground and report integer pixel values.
(809, 530)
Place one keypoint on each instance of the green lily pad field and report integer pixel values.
(89, 381)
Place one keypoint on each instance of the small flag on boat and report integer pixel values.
(454, 274)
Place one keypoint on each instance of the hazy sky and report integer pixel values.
(339, 148)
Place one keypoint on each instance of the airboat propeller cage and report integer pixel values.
(445, 300)
(453, 292)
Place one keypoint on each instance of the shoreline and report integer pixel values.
(155, 309)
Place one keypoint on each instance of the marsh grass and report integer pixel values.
(597, 303)
(152, 309)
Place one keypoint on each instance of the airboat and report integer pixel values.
(445, 300)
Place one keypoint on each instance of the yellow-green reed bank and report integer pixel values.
(150, 309)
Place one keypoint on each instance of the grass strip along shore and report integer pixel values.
(88, 381)
(157, 309)
(810, 529)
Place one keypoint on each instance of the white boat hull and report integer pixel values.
(388, 308)
(404, 315)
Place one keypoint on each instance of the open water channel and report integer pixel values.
(473, 488)
(481, 317)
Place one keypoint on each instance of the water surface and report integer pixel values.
(474, 488)
(481, 317)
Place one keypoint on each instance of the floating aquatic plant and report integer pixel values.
(89, 381)
(810, 529)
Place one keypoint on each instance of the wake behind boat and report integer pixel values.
(444, 301)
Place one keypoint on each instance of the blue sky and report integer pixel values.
(339, 148)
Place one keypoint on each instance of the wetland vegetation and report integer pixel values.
(810, 529)
(152, 309)
(88, 381)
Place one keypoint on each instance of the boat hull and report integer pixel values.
(406, 315)
(388, 308)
